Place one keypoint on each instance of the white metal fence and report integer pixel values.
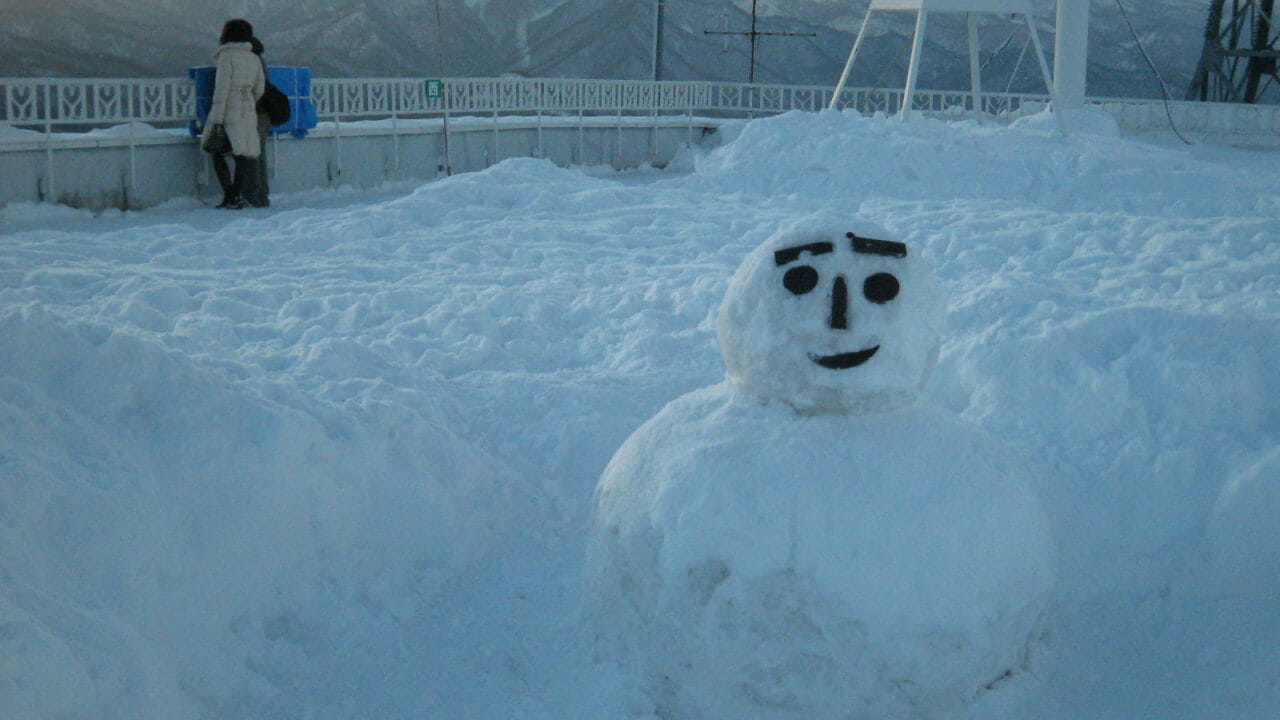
(49, 114)
(76, 104)
(53, 105)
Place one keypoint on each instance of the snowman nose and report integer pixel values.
(839, 319)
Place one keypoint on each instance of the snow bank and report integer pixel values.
(1244, 532)
(11, 133)
(753, 562)
(165, 518)
(842, 157)
(1079, 121)
(335, 459)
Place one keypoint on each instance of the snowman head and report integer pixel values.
(831, 316)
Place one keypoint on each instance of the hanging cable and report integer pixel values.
(1164, 90)
(889, 66)
(999, 50)
(1017, 66)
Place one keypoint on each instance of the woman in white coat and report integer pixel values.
(238, 83)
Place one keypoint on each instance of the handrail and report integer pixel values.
(383, 97)
(98, 102)
(78, 104)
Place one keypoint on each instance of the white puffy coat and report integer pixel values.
(237, 86)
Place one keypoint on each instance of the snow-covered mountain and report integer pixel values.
(584, 38)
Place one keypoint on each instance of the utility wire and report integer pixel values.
(998, 50)
(1163, 88)
(1013, 75)
(889, 66)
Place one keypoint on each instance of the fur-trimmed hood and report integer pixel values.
(233, 47)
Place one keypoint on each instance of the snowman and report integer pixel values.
(806, 539)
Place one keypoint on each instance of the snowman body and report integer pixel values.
(805, 540)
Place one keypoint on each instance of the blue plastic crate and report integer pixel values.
(294, 82)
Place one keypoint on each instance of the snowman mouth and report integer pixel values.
(844, 361)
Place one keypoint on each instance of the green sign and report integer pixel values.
(435, 88)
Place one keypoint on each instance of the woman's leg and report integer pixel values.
(260, 198)
(246, 179)
(223, 173)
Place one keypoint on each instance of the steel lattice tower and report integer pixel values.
(1238, 63)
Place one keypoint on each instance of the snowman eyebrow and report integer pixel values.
(870, 246)
(792, 254)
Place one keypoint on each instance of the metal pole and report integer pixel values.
(975, 71)
(913, 67)
(444, 92)
(1260, 64)
(659, 18)
(848, 65)
(1071, 54)
(1044, 71)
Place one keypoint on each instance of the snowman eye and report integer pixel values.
(880, 288)
(800, 280)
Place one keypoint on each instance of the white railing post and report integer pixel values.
(541, 150)
(51, 185)
(133, 149)
(496, 147)
(337, 144)
(582, 142)
(394, 98)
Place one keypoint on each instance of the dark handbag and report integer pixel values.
(217, 143)
(275, 104)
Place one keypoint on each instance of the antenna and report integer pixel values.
(754, 34)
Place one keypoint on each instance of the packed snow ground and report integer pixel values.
(335, 459)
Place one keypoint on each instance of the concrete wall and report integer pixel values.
(142, 171)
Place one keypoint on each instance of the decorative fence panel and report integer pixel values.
(78, 104)
(95, 102)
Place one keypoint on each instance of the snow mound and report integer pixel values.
(167, 523)
(1081, 121)
(842, 159)
(1244, 532)
(751, 562)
